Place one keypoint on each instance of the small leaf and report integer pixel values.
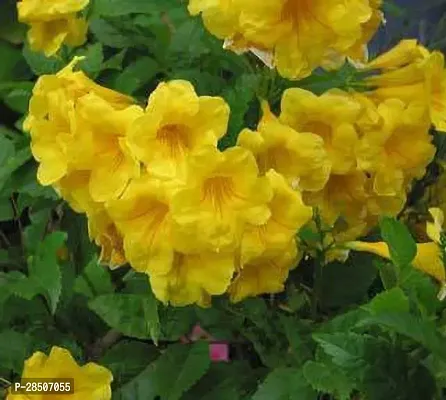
(44, 269)
(40, 64)
(179, 368)
(401, 244)
(115, 61)
(136, 75)
(284, 384)
(14, 349)
(94, 280)
(94, 57)
(18, 284)
(132, 314)
(328, 379)
(393, 300)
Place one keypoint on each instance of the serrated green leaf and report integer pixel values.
(115, 61)
(132, 314)
(179, 368)
(401, 244)
(109, 35)
(44, 268)
(136, 75)
(94, 280)
(18, 284)
(116, 8)
(127, 359)
(393, 300)
(140, 387)
(6, 209)
(40, 64)
(285, 384)
(14, 348)
(239, 97)
(94, 57)
(328, 379)
(421, 331)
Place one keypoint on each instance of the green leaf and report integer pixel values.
(40, 64)
(141, 387)
(44, 269)
(94, 280)
(6, 209)
(94, 57)
(285, 384)
(127, 359)
(14, 349)
(109, 35)
(402, 246)
(239, 97)
(115, 61)
(393, 300)
(136, 75)
(134, 315)
(421, 331)
(349, 282)
(16, 95)
(179, 368)
(116, 8)
(18, 284)
(328, 379)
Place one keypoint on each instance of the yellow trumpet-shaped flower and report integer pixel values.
(143, 217)
(52, 23)
(398, 149)
(264, 274)
(429, 257)
(332, 116)
(411, 73)
(176, 123)
(299, 156)
(222, 194)
(288, 215)
(194, 278)
(296, 32)
(91, 381)
(76, 125)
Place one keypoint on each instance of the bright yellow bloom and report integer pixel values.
(52, 23)
(332, 116)
(222, 194)
(265, 274)
(91, 381)
(143, 217)
(297, 32)
(288, 215)
(429, 257)
(398, 149)
(299, 156)
(194, 278)
(176, 123)
(411, 73)
(76, 125)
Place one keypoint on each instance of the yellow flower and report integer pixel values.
(411, 73)
(176, 123)
(332, 116)
(299, 157)
(194, 278)
(264, 274)
(429, 257)
(143, 217)
(222, 194)
(398, 149)
(91, 381)
(52, 23)
(69, 112)
(297, 32)
(288, 215)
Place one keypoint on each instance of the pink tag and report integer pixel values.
(219, 352)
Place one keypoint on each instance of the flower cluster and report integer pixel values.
(159, 194)
(351, 158)
(296, 36)
(52, 23)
